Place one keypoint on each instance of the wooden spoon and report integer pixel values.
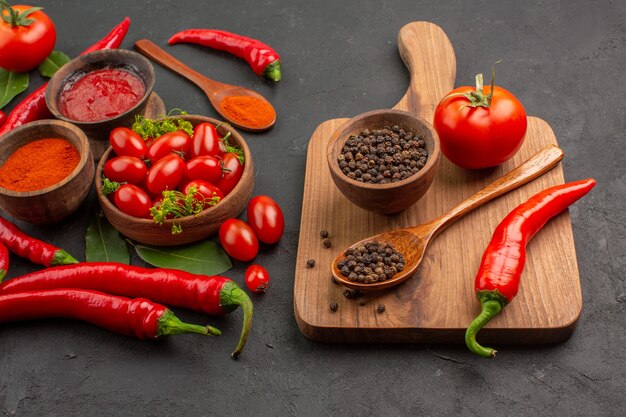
(411, 242)
(215, 91)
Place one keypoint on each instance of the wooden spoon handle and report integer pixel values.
(539, 164)
(153, 51)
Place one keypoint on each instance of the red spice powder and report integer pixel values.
(248, 111)
(39, 164)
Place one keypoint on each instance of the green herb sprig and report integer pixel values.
(176, 205)
(149, 128)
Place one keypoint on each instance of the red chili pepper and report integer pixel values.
(4, 261)
(263, 59)
(502, 264)
(34, 107)
(140, 318)
(36, 251)
(3, 117)
(211, 295)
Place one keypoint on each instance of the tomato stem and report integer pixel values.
(14, 17)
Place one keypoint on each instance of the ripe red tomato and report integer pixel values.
(165, 174)
(25, 40)
(206, 141)
(233, 170)
(125, 142)
(205, 167)
(257, 278)
(132, 200)
(266, 219)
(238, 240)
(204, 191)
(125, 169)
(480, 137)
(177, 142)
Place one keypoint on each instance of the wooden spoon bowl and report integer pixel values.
(391, 197)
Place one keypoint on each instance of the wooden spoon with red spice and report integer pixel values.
(241, 107)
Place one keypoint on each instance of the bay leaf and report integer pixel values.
(52, 63)
(104, 243)
(205, 257)
(11, 84)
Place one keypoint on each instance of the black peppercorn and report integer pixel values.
(324, 234)
(381, 308)
(327, 243)
(334, 307)
(310, 263)
(371, 262)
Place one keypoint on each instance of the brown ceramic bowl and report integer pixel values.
(194, 227)
(55, 203)
(392, 197)
(83, 64)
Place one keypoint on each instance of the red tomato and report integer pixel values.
(132, 200)
(125, 142)
(206, 141)
(257, 278)
(238, 240)
(25, 41)
(165, 174)
(177, 142)
(480, 137)
(206, 167)
(204, 191)
(232, 173)
(266, 219)
(125, 169)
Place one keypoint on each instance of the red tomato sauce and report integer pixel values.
(100, 95)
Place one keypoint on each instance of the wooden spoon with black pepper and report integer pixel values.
(411, 242)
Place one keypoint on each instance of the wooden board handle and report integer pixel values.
(429, 56)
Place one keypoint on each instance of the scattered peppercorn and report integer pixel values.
(351, 294)
(371, 262)
(324, 233)
(327, 243)
(381, 308)
(334, 306)
(383, 155)
(310, 263)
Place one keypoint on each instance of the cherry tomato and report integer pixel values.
(177, 142)
(480, 137)
(257, 278)
(132, 200)
(266, 219)
(206, 141)
(205, 167)
(125, 169)
(165, 174)
(204, 191)
(233, 170)
(125, 142)
(238, 240)
(26, 39)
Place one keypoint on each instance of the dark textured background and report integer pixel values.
(564, 60)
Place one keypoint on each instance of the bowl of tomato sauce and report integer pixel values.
(101, 90)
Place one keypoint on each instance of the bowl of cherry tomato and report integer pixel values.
(176, 188)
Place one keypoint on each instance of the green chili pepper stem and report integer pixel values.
(272, 71)
(62, 258)
(3, 274)
(232, 296)
(169, 325)
(491, 306)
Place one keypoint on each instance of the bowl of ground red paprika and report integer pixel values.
(46, 170)
(101, 90)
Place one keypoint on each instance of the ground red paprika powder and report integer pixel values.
(248, 111)
(39, 164)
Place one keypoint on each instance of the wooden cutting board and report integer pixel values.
(438, 303)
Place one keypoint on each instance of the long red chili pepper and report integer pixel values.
(263, 59)
(4, 261)
(140, 318)
(34, 107)
(502, 264)
(3, 117)
(211, 295)
(35, 250)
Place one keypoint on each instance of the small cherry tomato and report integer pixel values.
(206, 141)
(205, 167)
(233, 170)
(266, 219)
(132, 200)
(238, 240)
(125, 142)
(177, 142)
(204, 191)
(125, 169)
(165, 174)
(257, 278)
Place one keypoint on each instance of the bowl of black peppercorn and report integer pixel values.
(384, 160)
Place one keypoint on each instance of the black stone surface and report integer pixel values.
(564, 60)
